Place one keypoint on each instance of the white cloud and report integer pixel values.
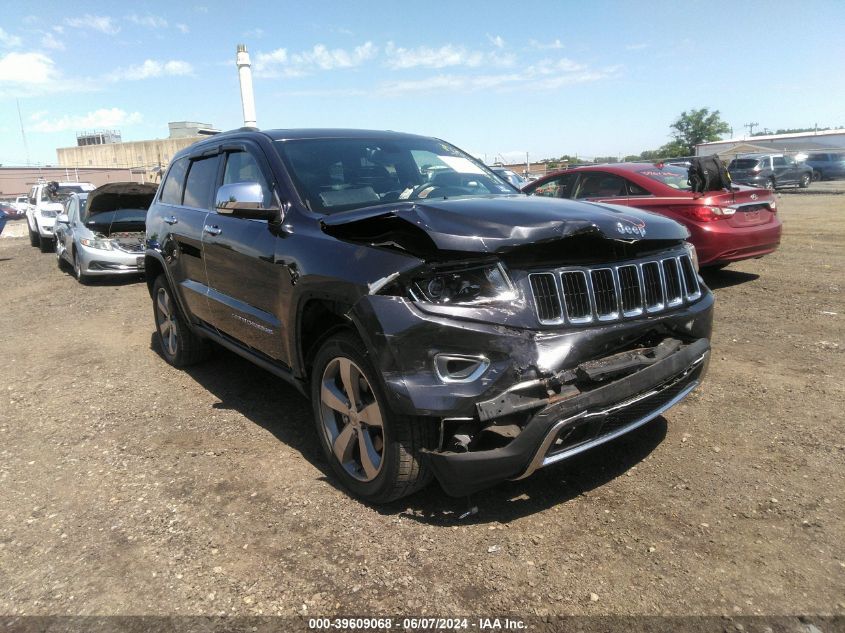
(637, 47)
(49, 41)
(281, 63)
(101, 23)
(151, 21)
(426, 57)
(496, 40)
(26, 68)
(102, 118)
(183, 28)
(152, 68)
(555, 45)
(547, 75)
(8, 40)
(255, 33)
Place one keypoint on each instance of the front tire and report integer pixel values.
(81, 277)
(770, 184)
(805, 181)
(375, 453)
(34, 238)
(45, 244)
(179, 345)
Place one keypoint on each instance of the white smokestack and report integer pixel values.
(247, 95)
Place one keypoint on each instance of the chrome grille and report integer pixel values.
(610, 293)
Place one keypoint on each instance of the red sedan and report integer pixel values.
(724, 226)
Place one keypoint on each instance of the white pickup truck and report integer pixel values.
(46, 201)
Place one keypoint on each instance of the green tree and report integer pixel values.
(694, 127)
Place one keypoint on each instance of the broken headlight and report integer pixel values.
(464, 286)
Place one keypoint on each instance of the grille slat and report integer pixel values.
(671, 275)
(629, 290)
(604, 293)
(576, 296)
(608, 293)
(653, 286)
(546, 297)
(690, 278)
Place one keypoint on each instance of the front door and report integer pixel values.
(240, 258)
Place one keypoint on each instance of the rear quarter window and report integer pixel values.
(174, 182)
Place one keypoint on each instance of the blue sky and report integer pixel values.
(495, 78)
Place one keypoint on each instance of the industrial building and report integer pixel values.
(106, 149)
(818, 141)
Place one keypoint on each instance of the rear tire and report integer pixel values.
(34, 238)
(817, 176)
(362, 424)
(45, 244)
(179, 345)
(804, 182)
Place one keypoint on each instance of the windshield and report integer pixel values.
(675, 177)
(337, 174)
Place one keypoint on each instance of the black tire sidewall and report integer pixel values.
(161, 282)
(347, 345)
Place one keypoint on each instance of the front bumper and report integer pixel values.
(46, 226)
(564, 429)
(99, 262)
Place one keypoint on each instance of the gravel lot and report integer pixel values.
(130, 487)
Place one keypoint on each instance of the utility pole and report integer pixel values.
(23, 134)
(750, 127)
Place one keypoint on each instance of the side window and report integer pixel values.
(635, 190)
(243, 167)
(560, 187)
(600, 185)
(32, 194)
(200, 185)
(171, 191)
(779, 161)
(44, 196)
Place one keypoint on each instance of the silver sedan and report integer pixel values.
(101, 233)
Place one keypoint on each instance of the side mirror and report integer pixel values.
(245, 200)
(62, 219)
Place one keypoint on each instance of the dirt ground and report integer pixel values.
(130, 487)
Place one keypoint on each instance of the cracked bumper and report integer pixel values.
(592, 418)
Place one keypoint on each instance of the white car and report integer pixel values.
(45, 203)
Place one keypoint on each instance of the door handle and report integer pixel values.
(171, 220)
(212, 230)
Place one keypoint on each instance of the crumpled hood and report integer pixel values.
(497, 224)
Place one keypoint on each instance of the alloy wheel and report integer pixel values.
(351, 419)
(167, 322)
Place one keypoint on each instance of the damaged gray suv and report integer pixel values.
(442, 323)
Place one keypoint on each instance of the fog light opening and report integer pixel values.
(460, 368)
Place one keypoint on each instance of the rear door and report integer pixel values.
(181, 209)
(244, 279)
(785, 173)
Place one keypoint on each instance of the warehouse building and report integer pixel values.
(819, 141)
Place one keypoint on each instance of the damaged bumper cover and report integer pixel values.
(565, 428)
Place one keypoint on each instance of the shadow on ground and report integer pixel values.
(278, 407)
(725, 278)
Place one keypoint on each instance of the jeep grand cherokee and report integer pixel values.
(442, 323)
